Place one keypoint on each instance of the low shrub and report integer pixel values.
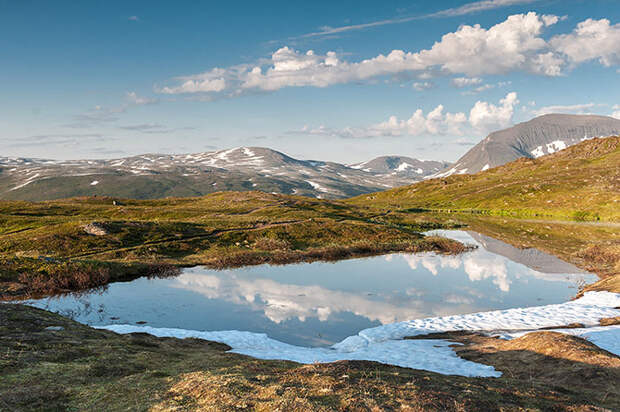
(268, 243)
(65, 277)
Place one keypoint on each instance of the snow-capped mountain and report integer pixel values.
(540, 136)
(157, 175)
(400, 166)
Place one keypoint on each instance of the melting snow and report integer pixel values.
(538, 152)
(433, 355)
(317, 186)
(587, 310)
(552, 147)
(27, 182)
(485, 167)
(358, 165)
(556, 145)
(385, 343)
(403, 166)
(444, 174)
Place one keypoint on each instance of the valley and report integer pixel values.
(526, 256)
(310, 206)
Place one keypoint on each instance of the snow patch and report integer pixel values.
(587, 310)
(431, 355)
(385, 343)
(358, 165)
(444, 174)
(94, 183)
(317, 186)
(403, 166)
(485, 167)
(537, 152)
(27, 182)
(556, 145)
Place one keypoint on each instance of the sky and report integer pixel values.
(343, 81)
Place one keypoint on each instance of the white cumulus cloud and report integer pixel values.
(486, 116)
(515, 44)
(591, 40)
(483, 118)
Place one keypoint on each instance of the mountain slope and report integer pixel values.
(154, 176)
(542, 135)
(581, 182)
(400, 166)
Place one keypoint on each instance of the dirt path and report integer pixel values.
(186, 239)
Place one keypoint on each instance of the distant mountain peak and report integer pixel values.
(400, 165)
(540, 136)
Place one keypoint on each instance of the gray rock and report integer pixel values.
(95, 229)
(54, 328)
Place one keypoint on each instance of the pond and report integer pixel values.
(318, 304)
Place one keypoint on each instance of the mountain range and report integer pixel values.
(243, 168)
(152, 176)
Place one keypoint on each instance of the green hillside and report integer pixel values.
(581, 182)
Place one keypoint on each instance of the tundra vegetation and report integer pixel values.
(565, 204)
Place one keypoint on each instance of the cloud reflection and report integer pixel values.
(281, 302)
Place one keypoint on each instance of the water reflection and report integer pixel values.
(322, 303)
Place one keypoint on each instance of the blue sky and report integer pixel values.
(343, 82)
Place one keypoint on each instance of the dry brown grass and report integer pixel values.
(70, 277)
(607, 256)
(333, 252)
(549, 357)
(79, 368)
(67, 276)
(610, 321)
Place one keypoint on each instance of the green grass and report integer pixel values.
(579, 183)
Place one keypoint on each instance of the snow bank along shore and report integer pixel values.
(385, 343)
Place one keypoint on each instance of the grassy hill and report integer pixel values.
(581, 182)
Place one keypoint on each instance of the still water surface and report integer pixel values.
(319, 304)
